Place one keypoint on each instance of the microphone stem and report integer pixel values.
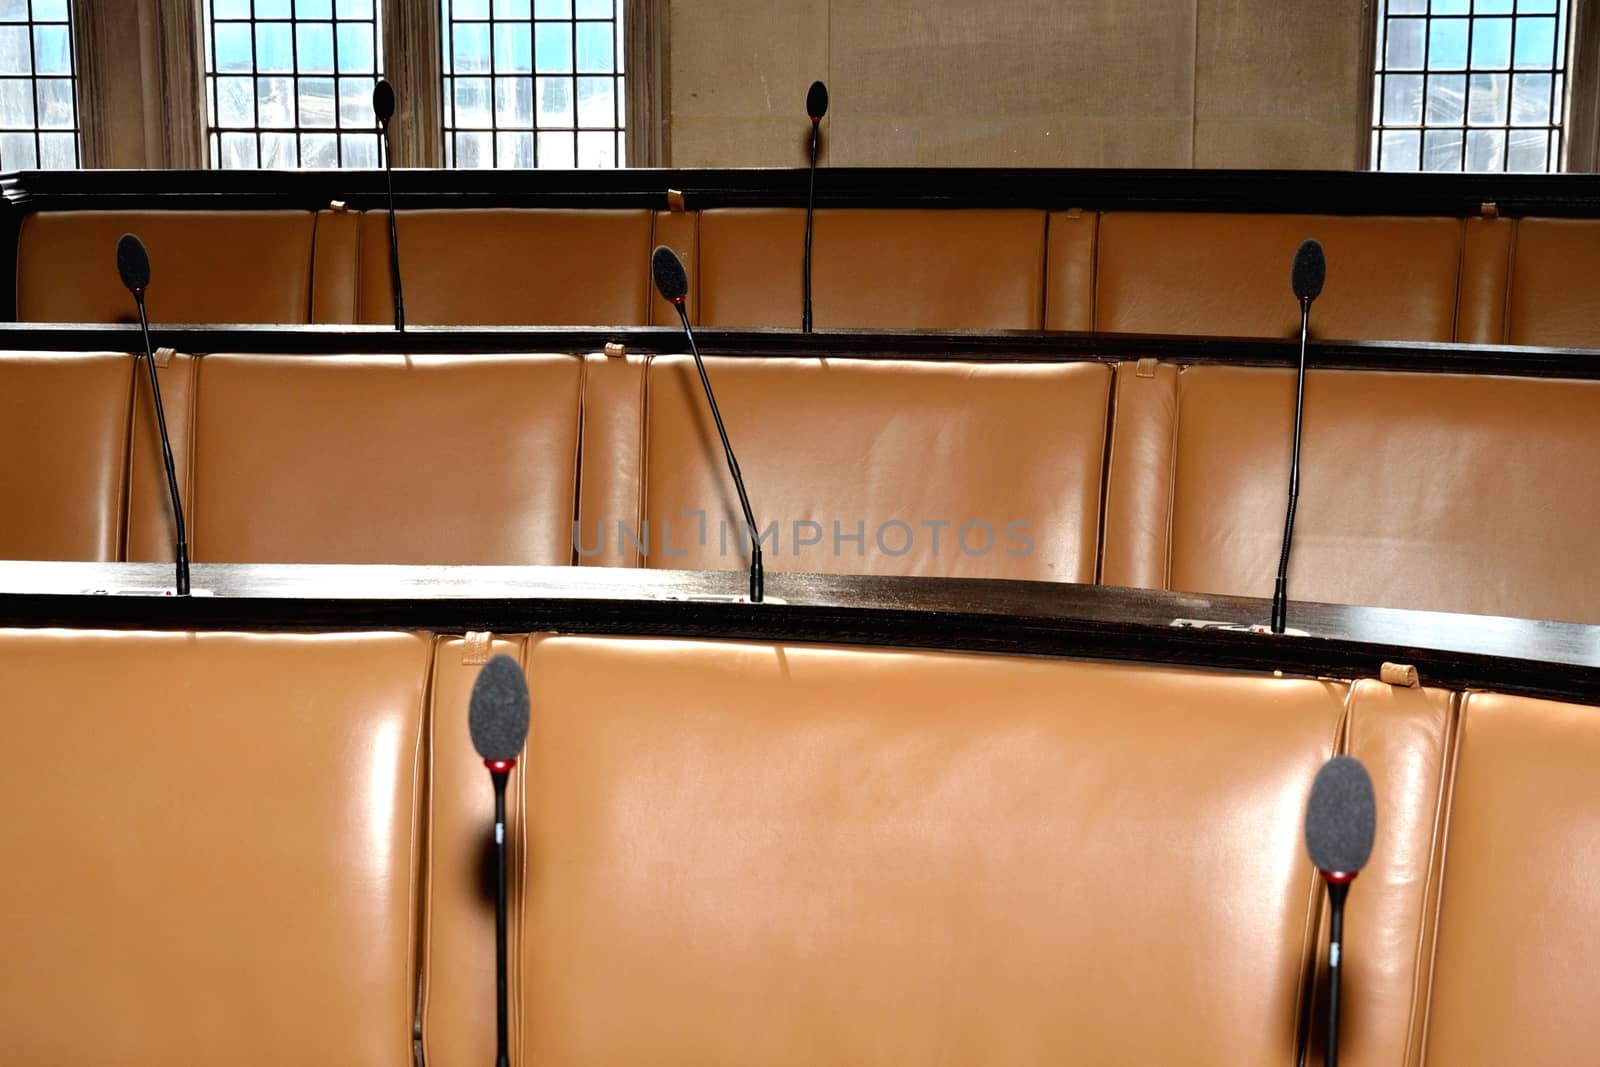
(182, 546)
(394, 233)
(811, 203)
(502, 1057)
(1337, 891)
(1280, 589)
(757, 576)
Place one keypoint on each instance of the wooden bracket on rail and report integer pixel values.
(476, 647)
(1403, 675)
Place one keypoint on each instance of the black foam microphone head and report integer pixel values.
(817, 101)
(1341, 817)
(383, 100)
(498, 714)
(1310, 270)
(133, 263)
(667, 269)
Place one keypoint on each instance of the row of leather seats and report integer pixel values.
(753, 853)
(1479, 280)
(1433, 491)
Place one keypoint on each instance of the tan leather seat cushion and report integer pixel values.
(906, 269)
(509, 267)
(64, 433)
(1553, 299)
(386, 459)
(1439, 492)
(746, 853)
(1228, 275)
(1519, 918)
(205, 266)
(886, 450)
(210, 847)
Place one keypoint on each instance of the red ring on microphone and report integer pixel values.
(503, 766)
(1339, 877)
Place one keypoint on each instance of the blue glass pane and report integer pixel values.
(1447, 45)
(273, 9)
(233, 47)
(50, 10)
(553, 48)
(469, 9)
(1536, 43)
(594, 46)
(355, 49)
(315, 41)
(230, 9)
(52, 50)
(13, 10)
(274, 47)
(512, 9)
(354, 9)
(1403, 47)
(313, 9)
(594, 9)
(513, 48)
(1494, 7)
(1491, 45)
(1451, 7)
(552, 9)
(471, 52)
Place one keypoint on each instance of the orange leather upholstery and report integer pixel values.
(1552, 300)
(505, 267)
(385, 459)
(610, 483)
(909, 269)
(1069, 270)
(212, 847)
(1485, 268)
(206, 266)
(893, 467)
(152, 533)
(1441, 492)
(64, 433)
(1519, 919)
(748, 853)
(1404, 736)
(336, 269)
(1228, 275)
(458, 989)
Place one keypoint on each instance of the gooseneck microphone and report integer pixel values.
(673, 285)
(1341, 821)
(383, 108)
(497, 718)
(133, 264)
(816, 107)
(1306, 276)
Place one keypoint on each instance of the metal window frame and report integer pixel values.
(214, 131)
(450, 130)
(33, 78)
(1568, 18)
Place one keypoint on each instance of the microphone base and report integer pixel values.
(708, 598)
(171, 592)
(1236, 627)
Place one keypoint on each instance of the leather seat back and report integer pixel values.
(206, 266)
(212, 848)
(1551, 300)
(1427, 491)
(1228, 275)
(1518, 926)
(863, 467)
(874, 269)
(497, 267)
(794, 854)
(64, 431)
(384, 459)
